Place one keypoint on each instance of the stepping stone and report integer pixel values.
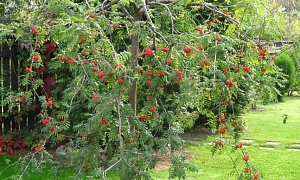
(295, 145)
(267, 148)
(273, 142)
(292, 149)
(246, 141)
(209, 143)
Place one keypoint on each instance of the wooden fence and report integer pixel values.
(9, 81)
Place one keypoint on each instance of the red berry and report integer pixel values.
(86, 168)
(272, 57)
(165, 49)
(49, 103)
(235, 68)
(81, 41)
(28, 70)
(187, 50)
(148, 52)
(103, 122)
(206, 63)
(199, 30)
(152, 109)
(120, 80)
(160, 73)
(214, 20)
(95, 69)
(225, 103)
(179, 73)
(263, 52)
(34, 30)
(222, 118)
(62, 58)
(230, 83)
(53, 129)
(150, 72)
(255, 176)
(240, 52)
(91, 15)
(101, 74)
(71, 60)
(148, 82)
(225, 71)
(201, 48)
(246, 158)
(37, 149)
(239, 145)
(82, 135)
(247, 170)
(84, 53)
(116, 26)
(36, 57)
(222, 130)
(95, 97)
(143, 117)
(119, 66)
(169, 62)
(45, 121)
(246, 68)
(179, 79)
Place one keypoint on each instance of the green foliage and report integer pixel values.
(112, 94)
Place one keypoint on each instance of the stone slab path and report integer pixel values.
(269, 145)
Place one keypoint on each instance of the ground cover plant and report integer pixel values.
(114, 83)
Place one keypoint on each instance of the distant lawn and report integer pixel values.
(262, 126)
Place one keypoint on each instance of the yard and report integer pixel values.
(272, 146)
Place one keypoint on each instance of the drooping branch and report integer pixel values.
(215, 9)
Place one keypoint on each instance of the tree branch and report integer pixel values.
(171, 16)
(215, 9)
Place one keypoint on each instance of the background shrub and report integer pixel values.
(287, 64)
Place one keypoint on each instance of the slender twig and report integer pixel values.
(110, 4)
(104, 172)
(102, 6)
(126, 13)
(87, 3)
(215, 59)
(171, 16)
(32, 156)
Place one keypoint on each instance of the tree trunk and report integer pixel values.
(134, 63)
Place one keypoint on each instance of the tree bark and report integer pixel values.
(134, 63)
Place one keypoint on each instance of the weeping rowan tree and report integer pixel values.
(125, 78)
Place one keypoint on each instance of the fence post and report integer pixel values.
(9, 77)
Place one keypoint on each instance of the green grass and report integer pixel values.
(262, 126)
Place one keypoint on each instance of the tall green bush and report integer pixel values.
(288, 66)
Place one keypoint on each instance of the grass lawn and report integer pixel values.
(263, 126)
